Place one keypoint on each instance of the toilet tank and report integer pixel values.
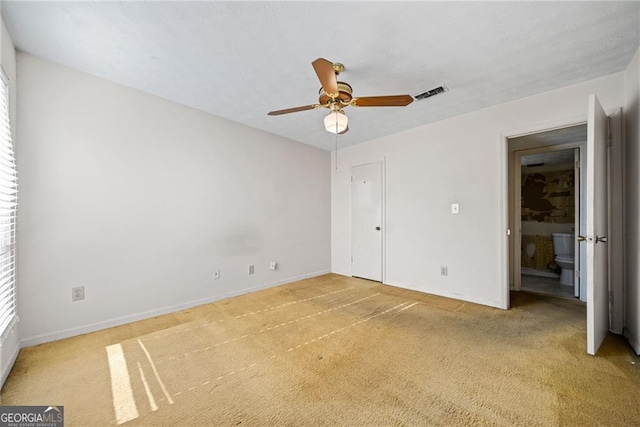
(563, 243)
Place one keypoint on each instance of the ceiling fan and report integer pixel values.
(335, 96)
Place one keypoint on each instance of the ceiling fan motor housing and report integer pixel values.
(344, 94)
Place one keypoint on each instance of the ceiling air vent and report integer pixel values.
(431, 92)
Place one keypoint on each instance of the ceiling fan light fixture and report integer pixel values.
(336, 122)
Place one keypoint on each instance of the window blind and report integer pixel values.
(8, 208)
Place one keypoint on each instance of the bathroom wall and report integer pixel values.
(548, 206)
(537, 252)
(548, 196)
(533, 228)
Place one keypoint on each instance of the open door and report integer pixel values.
(594, 237)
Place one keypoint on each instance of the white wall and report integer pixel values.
(139, 199)
(10, 345)
(632, 120)
(534, 228)
(461, 160)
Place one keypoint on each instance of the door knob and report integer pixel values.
(378, 228)
(581, 238)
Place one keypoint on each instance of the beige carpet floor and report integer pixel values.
(338, 351)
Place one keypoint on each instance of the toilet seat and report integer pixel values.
(567, 259)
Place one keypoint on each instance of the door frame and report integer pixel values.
(506, 202)
(617, 224)
(383, 201)
(517, 192)
(617, 255)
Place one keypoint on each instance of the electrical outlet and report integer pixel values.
(444, 271)
(216, 274)
(77, 294)
(251, 269)
(273, 265)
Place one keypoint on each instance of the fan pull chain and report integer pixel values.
(336, 143)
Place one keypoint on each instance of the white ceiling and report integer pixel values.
(240, 60)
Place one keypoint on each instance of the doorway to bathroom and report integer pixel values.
(549, 216)
(600, 178)
(545, 183)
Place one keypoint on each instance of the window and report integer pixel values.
(8, 205)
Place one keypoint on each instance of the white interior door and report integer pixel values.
(594, 237)
(366, 221)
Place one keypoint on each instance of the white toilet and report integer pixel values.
(564, 249)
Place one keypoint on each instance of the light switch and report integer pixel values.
(455, 208)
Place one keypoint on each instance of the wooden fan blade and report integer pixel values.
(327, 76)
(344, 131)
(383, 101)
(293, 110)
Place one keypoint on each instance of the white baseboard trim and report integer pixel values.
(105, 324)
(441, 293)
(633, 341)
